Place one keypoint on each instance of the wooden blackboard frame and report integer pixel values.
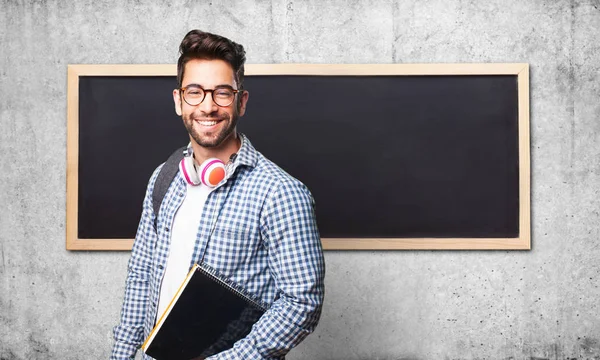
(521, 70)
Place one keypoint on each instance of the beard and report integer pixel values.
(211, 139)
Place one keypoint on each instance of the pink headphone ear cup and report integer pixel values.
(187, 168)
(212, 172)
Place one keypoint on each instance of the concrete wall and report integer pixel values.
(539, 304)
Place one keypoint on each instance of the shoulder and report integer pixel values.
(154, 176)
(263, 174)
(168, 168)
(280, 183)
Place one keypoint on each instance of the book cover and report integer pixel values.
(207, 315)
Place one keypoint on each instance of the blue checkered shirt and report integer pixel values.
(264, 237)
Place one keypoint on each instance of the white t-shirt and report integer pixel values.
(183, 238)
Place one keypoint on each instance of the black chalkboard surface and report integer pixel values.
(395, 159)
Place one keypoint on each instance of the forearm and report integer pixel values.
(279, 330)
(129, 333)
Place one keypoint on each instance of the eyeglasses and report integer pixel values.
(194, 95)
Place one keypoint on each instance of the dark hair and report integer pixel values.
(202, 45)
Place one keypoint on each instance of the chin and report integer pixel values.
(211, 142)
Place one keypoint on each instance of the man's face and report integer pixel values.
(209, 124)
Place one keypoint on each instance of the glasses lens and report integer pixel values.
(223, 97)
(193, 95)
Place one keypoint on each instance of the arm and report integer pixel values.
(128, 334)
(298, 268)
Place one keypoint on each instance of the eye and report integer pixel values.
(223, 93)
(194, 92)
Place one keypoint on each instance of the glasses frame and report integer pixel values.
(182, 94)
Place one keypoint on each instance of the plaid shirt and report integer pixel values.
(264, 237)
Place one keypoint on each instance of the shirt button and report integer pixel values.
(166, 229)
(160, 267)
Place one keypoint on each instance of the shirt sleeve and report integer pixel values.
(128, 334)
(298, 268)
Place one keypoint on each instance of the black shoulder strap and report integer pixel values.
(163, 180)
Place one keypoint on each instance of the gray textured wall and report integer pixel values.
(539, 304)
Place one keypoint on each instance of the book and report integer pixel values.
(207, 315)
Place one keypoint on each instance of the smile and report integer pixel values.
(207, 122)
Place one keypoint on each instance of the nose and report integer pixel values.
(208, 106)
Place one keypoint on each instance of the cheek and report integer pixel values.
(188, 115)
(230, 111)
(188, 111)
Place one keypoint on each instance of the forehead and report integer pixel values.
(208, 73)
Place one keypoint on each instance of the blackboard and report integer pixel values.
(429, 157)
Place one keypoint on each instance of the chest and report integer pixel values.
(228, 233)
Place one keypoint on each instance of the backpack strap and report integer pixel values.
(163, 180)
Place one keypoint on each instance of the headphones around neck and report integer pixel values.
(210, 173)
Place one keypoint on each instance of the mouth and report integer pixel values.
(207, 123)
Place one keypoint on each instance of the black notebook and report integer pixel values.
(207, 315)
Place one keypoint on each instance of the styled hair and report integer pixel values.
(198, 44)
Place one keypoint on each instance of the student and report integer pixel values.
(260, 220)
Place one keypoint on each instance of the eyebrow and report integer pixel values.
(216, 87)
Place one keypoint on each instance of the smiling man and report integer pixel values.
(229, 208)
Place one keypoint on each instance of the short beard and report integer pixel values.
(220, 137)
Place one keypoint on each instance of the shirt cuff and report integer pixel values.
(241, 351)
(123, 351)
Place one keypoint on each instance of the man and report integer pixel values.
(257, 226)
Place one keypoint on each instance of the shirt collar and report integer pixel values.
(247, 154)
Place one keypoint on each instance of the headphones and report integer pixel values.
(210, 173)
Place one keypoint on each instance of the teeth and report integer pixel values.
(207, 123)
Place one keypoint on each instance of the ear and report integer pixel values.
(177, 101)
(242, 102)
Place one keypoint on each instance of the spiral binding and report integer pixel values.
(232, 289)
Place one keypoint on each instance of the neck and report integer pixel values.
(223, 152)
